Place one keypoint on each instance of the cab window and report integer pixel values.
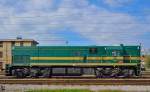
(93, 51)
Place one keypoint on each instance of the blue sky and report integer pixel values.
(78, 22)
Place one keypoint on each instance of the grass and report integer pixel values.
(111, 91)
(72, 90)
(61, 90)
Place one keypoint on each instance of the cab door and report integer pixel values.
(23, 60)
(93, 56)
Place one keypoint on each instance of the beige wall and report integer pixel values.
(7, 52)
(1, 50)
(6, 49)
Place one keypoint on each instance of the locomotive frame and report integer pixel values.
(107, 61)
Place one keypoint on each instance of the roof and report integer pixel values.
(18, 40)
(114, 47)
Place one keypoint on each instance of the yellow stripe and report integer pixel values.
(56, 58)
(88, 58)
(83, 64)
(132, 58)
(104, 58)
(94, 58)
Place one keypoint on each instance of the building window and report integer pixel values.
(1, 44)
(1, 54)
(93, 51)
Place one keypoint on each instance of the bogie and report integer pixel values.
(106, 61)
(114, 73)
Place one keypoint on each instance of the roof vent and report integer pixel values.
(18, 37)
(121, 45)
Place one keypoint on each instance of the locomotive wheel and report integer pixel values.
(131, 73)
(125, 73)
(107, 72)
(19, 73)
(98, 73)
(128, 73)
(13, 72)
(26, 71)
(46, 73)
(34, 73)
(115, 72)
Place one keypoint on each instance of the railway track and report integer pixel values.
(77, 81)
(145, 75)
(74, 77)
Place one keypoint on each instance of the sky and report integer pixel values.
(77, 22)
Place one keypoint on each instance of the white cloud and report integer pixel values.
(116, 3)
(98, 25)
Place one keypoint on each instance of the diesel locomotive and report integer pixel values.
(106, 61)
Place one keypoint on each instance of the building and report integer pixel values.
(6, 46)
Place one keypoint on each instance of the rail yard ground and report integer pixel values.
(84, 80)
(94, 85)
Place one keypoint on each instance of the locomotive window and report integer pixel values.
(77, 53)
(93, 51)
(1, 44)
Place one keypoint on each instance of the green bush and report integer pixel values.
(147, 60)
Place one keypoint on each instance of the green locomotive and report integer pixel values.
(107, 61)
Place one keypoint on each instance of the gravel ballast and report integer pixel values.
(22, 88)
